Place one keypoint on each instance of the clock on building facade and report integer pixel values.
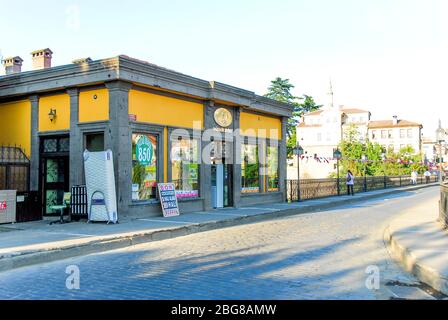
(223, 117)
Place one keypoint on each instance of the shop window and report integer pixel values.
(95, 142)
(402, 133)
(185, 167)
(272, 163)
(64, 145)
(250, 175)
(57, 144)
(50, 145)
(144, 167)
(390, 134)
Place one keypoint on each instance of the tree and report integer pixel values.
(308, 104)
(280, 90)
(400, 163)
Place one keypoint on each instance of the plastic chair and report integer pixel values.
(65, 204)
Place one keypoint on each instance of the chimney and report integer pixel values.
(82, 60)
(12, 65)
(395, 121)
(41, 59)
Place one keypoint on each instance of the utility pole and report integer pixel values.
(440, 137)
(298, 151)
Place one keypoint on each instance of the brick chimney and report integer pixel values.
(42, 59)
(395, 120)
(12, 65)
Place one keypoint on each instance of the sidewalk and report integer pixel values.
(420, 245)
(37, 242)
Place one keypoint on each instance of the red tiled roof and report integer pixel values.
(303, 125)
(353, 110)
(314, 113)
(390, 124)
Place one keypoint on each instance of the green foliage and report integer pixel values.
(352, 148)
(308, 104)
(291, 143)
(138, 173)
(280, 90)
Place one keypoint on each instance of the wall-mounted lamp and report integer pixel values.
(52, 115)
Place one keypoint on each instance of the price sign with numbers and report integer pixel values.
(144, 151)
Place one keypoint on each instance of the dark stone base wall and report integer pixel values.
(254, 199)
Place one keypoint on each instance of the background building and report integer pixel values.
(396, 134)
(320, 133)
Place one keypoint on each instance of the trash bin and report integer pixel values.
(8, 206)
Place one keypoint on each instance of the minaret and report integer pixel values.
(330, 97)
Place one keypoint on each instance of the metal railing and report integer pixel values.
(321, 188)
(443, 205)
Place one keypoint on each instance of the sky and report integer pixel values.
(386, 56)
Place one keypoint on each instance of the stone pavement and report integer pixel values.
(38, 242)
(418, 241)
(318, 255)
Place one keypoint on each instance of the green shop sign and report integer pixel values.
(144, 151)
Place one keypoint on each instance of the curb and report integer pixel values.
(408, 261)
(118, 242)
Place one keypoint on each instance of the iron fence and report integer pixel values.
(14, 169)
(443, 205)
(321, 188)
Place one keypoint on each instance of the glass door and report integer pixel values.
(228, 182)
(55, 182)
(54, 169)
(222, 176)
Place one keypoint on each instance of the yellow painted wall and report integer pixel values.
(91, 109)
(163, 110)
(61, 103)
(257, 123)
(15, 124)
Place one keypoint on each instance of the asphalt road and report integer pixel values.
(322, 255)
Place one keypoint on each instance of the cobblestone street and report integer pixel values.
(322, 255)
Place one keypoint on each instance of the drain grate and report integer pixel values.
(413, 291)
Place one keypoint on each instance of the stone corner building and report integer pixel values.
(55, 113)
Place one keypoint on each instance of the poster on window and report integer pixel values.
(168, 199)
(144, 167)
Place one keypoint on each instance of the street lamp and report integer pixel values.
(298, 151)
(383, 158)
(338, 156)
(440, 137)
(364, 160)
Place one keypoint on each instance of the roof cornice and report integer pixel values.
(145, 73)
(135, 71)
(57, 78)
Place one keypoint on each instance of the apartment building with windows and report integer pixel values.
(396, 134)
(319, 133)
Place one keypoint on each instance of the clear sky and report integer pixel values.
(388, 56)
